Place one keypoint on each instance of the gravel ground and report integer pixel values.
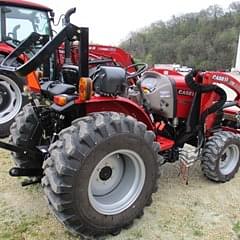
(200, 210)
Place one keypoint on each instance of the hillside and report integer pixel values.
(206, 40)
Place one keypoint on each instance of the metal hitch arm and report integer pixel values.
(21, 150)
(21, 172)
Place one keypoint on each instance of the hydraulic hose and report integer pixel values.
(197, 87)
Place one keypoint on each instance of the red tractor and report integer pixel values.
(97, 139)
(19, 19)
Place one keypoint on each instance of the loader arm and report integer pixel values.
(230, 80)
(34, 38)
(70, 31)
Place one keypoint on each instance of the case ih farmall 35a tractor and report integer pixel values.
(97, 138)
(18, 19)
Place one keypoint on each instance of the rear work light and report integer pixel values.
(85, 88)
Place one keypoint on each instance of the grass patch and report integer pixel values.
(15, 224)
(16, 230)
(236, 228)
(198, 232)
(137, 234)
(35, 188)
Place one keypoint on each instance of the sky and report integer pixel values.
(110, 22)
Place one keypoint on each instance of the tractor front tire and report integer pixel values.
(221, 156)
(25, 132)
(101, 173)
(11, 101)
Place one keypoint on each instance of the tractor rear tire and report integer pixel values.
(11, 101)
(101, 173)
(25, 132)
(221, 156)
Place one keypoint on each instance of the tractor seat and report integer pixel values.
(51, 89)
(70, 74)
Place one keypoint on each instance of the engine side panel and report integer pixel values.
(183, 94)
(184, 98)
(160, 93)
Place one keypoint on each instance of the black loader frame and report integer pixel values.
(69, 32)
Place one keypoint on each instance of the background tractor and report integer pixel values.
(18, 20)
(97, 136)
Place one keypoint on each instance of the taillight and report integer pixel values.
(60, 100)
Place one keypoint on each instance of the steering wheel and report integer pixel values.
(141, 68)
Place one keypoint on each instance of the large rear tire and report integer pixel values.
(221, 156)
(25, 132)
(11, 101)
(101, 173)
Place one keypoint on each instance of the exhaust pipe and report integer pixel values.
(67, 42)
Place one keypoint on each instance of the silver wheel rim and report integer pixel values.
(14, 104)
(229, 159)
(116, 182)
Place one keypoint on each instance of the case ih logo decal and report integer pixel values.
(185, 92)
(228, 81)
(220, 78)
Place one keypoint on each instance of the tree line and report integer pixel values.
(206, 40)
